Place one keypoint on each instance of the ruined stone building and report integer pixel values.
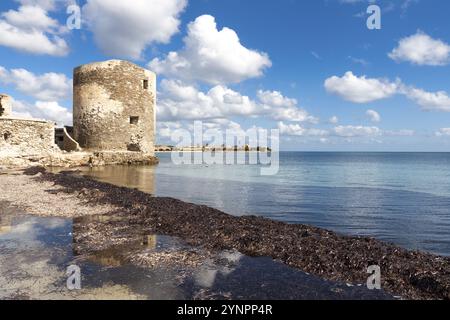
(113, 120)
(23, 137)
(114, 107)
(5, 106)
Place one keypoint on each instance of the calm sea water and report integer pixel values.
(397, 197)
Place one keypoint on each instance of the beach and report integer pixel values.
(322, 253)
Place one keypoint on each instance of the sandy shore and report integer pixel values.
(410, 274)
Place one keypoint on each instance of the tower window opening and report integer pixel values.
(134, 120)
(145, 84)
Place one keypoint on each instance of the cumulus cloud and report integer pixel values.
(180, 101)
(47, 87)
(400, 133)
(214, 130)
(283, 108)
(443, 132)
(373, 115)
(48, 110)
(360, 89)
(53, 111)
(211, 55)
(44, 4)
(125, 28)
(430, 101)
(333, 120)
(300, 131)
(421, 49)
(357, 131)
(30, 29)
(341, 132)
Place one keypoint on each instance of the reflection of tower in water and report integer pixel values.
(150, 241)
(5, 224)
(90, 233)
(140, 177)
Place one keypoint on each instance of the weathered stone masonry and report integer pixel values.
(114, 122)
(26, 137)
(114, 107)
(5, 105)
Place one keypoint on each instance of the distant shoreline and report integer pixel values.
(325, 152)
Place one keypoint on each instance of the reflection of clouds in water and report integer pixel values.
(55, 223)
(32, 276)
(28, 228)
(232, 256)
(224, 264)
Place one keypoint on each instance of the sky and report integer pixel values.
(310, 68)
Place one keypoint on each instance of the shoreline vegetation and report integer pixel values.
(408, 274)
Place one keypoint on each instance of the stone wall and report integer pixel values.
(94, 159)
(114, 107)
(5, 105)
(21, 137)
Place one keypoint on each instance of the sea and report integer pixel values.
(402, 198)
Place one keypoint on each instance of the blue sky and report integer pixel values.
(311, 68)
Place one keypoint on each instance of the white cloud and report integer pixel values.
(298, 130)
(333, 120)
(125, 28)
(373, 115)
(357, 131)
(47, 110)
(360, 89)
(360, 61)
(212, 129)
(179, 101)
(283, 108)
(443, 132)
(276, 99)
(421, 49)
(213, 56)
(430, 101)
(30, 29)
(44, 4)
(53, 111)
(400, 133)
(47, 87)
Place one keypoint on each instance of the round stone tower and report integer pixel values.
(114, 107)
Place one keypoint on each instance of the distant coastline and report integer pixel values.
(246, 148)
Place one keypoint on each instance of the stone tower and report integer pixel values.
(5, 106)
(114, 107)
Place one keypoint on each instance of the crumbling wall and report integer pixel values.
(21, 137)
(5, 105)
(114, 107)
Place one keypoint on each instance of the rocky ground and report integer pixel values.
(10, 158)
(410, 274)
